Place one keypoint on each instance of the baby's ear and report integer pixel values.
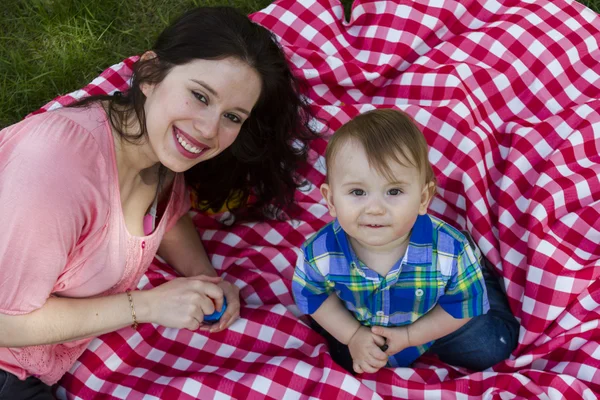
(426, 196)
(328, 196)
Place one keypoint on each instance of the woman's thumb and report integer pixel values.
(207, 278)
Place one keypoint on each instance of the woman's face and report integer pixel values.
(197, 111)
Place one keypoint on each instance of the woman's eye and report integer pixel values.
(395, 192)
(233, 118)
(200, 97)
(357, 192)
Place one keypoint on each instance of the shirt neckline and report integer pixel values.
(421, 234)
(117, 191)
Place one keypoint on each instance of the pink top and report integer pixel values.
(63, 232)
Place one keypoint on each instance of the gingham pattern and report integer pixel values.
(508, 95)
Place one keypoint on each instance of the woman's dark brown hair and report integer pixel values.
(273, 142)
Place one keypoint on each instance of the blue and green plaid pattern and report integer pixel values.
(439, 267)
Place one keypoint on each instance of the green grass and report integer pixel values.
(52, 47)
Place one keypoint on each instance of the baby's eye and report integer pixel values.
(394, 192)
(358, 192)
(200, 97)
(234, 118)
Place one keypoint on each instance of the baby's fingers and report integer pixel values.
(379, 340)
(377, 354)
(377, 363)
(357, 368)
(367, 367)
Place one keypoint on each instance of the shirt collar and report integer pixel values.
(342, 240)
(421, 236)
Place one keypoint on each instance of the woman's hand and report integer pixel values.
(365, 351)
(182, 302)
(232, 313)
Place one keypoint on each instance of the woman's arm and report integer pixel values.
(180, 303)
(61, 320)
(182, 249)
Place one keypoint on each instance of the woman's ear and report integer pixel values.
(148, 55)
(145, 87)
(328, 196)
(426, 196)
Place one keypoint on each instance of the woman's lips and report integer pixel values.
(189, 139)
(190, 143)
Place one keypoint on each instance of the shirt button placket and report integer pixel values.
(381, 313)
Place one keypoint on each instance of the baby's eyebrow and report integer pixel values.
(397, 183)
(353, 183)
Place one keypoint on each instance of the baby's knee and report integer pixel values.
(493, 353)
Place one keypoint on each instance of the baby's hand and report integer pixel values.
(365, 350)
(397, 338)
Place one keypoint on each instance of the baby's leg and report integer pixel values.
(486, 339)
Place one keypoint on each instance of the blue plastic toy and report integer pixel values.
(214, 317)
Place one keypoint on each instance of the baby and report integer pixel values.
(385, 281)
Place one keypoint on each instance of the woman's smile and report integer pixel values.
(197, 111)
(188, 146)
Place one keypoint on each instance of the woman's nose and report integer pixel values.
(208, 127)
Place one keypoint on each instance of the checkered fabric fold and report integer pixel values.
(508, 95)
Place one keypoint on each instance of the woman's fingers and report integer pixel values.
(204, 306)
(232, 313)
(203, 299)
(206, 278)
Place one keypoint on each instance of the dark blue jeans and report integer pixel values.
(487, 339)
(479, 344)
(12, 388)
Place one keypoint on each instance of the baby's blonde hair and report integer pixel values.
(385, 134)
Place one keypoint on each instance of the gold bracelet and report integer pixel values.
(135, 323)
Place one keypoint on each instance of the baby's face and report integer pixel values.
(375, 211)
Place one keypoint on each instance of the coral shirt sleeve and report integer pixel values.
(48, 180)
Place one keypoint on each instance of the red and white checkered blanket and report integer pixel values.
(508, 94)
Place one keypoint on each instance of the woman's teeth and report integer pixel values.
(187, 146)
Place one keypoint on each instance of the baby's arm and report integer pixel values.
(362, 343)
(433, 325)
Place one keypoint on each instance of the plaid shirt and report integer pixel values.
(439, 267)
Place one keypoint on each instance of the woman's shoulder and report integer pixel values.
(54, 152)
(66, 136)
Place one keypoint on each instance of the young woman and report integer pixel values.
(89, 194)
